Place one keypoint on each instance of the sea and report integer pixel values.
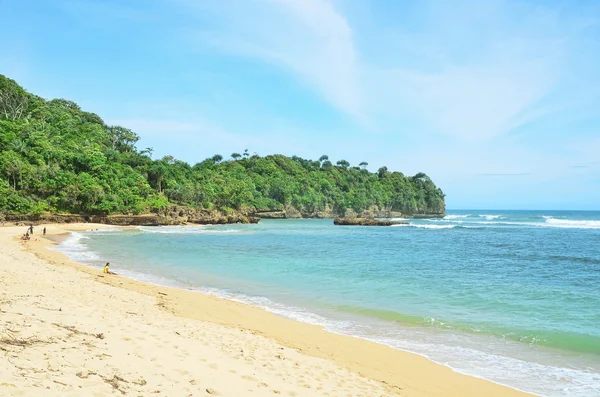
(508, 296)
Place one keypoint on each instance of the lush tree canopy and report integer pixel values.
(56, 157)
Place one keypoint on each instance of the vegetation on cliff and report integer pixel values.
(56, 157)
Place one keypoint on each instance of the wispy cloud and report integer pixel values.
(472, 71)
(308, 38)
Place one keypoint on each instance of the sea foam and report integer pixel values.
(422, 226)
(456, 216)
(572, 224)
(75, 249)
(490, 217)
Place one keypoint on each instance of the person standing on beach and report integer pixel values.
(31, 229)
(44, 231)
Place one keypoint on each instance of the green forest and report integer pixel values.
(57, 158)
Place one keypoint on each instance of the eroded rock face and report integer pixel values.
(371, 212)
(365, 222)
(181, 215)
(170, 216)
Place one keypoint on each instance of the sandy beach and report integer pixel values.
(68, 330)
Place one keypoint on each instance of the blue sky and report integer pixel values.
(497, 101)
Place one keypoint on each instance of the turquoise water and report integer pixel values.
(510, 296)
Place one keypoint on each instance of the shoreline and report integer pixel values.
(399, 372)
(207, 218)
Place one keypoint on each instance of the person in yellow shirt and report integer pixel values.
(106, 269)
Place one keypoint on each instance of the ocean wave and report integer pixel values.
(571, 224)
(457, 225)
(551, 380)
(473, 217)
(498, 221)
(75, 249)
(510, 223)
(185, 229)
(449, 217)
(422, 226)
(289, 311)
(491, 217)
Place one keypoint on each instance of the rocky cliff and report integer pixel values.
(372, 212)
(173, 215)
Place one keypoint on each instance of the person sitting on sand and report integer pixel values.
(106, 270)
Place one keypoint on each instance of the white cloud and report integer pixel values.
(473, 71)
(467, 103)
(308, 38)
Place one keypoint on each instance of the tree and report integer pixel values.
(122, 139)
(11, 165)
(19, 146)
(12, 105)
(147, 152)
(382, 172)
(422, 177)
(13, 99)
(55, 156)
(343, 163)
(157, 173)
